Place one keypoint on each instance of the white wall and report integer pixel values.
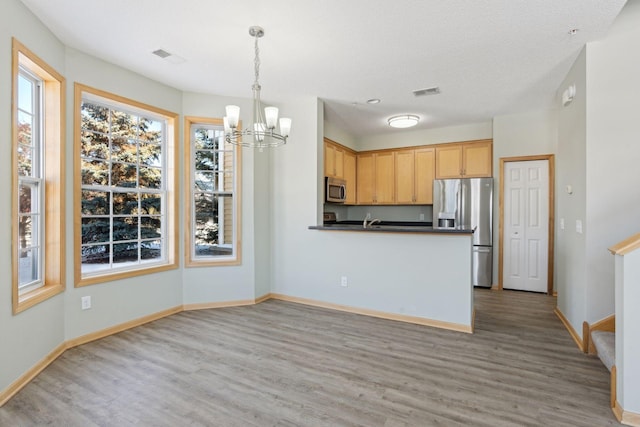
(339, 135)
(613, 152)
(526, 134)
(627, 279)
(571, 267)
(410, 138)
(115, 302)
(29, 336)
(309, 263)
(231, 283)
(598, 155)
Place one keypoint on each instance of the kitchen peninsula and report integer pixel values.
(417, 274)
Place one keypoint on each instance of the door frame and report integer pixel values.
(550, 253)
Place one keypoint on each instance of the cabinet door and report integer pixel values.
(384, 178)
(350, 177)
(339, 162)
(405, 177)
(329, 160)
(425, 168)
(477, 159)
(365, 179)
(449, 161)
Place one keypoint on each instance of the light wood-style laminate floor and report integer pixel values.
(286, 364)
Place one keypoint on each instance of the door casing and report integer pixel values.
(551, 159)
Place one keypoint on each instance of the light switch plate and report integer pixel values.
(561, 223)
(578, 226)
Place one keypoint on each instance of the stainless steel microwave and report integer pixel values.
(335, 190)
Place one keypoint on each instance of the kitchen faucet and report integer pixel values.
(366, 223)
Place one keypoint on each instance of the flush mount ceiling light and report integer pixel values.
(403, 121)
(262, 132)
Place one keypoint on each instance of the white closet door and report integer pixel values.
(526, 225)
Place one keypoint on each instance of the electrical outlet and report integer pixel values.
(343, 281)
(86, 303)
(421, 217)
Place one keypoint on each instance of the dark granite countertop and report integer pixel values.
(390, 226)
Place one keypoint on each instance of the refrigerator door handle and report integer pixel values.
(459, 206)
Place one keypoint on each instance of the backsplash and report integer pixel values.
(386, 213)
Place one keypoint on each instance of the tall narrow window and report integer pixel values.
(126, 187)
(213, 175)
(38, 203)
(30, 185)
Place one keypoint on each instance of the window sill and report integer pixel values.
(36, 296)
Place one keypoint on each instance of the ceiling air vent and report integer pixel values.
(161, 53)
(428, 91)
(170, 57)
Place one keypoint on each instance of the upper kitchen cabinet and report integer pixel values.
(340, 162)
(333, 159)
(414, 174)
(349, 169)
(471, 159)
(376, 178)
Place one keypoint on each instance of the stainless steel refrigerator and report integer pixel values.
(467, 203)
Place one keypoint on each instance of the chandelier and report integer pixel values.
(262, 133)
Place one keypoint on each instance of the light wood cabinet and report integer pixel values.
(425, 172)
(333, 160)
(414, 174)
(350, 177)
(477, 159)
(464, 160)
(340, 162)
(375, 178)
(404, 176)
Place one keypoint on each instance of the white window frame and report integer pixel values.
(36, 182)
(47, 148)
(191, 258)
(168, 209)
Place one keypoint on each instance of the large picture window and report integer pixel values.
(38, 165)
(125, 180)
(213, 177)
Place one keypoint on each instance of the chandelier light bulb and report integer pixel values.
(285, 126)
(271, 117)
(233, 115)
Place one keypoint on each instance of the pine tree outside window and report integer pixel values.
(213, 174)
(126, 187)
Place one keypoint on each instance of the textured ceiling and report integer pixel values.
(489, 57)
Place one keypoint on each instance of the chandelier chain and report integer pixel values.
(257, 62)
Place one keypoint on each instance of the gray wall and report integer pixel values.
(514, 135)
(598, 154)
(119, 301)
(571, 170)
(29, 336)
(613, 153)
